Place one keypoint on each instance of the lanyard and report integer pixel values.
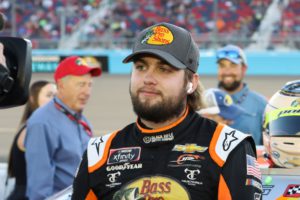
(73, 118)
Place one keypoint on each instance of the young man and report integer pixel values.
(170, 152)
(232, 66)
(58, 133)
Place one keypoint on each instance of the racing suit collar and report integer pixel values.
(144, 129)
(165, 134)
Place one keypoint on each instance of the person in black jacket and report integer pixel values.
(41, 92)
(170, 152)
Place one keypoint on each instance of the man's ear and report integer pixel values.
(195, 80)
(60, 84)
(31, 99)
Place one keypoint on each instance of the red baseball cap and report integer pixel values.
(75, 65)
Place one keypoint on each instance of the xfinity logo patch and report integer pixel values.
(124, 155)
(158, 138)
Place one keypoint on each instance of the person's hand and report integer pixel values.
(2, 57)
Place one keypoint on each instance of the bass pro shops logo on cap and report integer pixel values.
(168, 42)
(158, 35)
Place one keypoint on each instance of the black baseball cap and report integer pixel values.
(169, 42)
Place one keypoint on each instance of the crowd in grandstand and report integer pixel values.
(52, 19)
(287, 29)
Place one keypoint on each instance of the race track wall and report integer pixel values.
(259, 63)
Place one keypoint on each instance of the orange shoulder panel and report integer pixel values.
(213, 144)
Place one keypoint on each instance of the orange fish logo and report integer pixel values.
(158, 35)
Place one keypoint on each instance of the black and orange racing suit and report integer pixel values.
(193, 158)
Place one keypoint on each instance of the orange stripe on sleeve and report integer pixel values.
(223, 193)
(213, 145)
(91, 196)
(105, 154)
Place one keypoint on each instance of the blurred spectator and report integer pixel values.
(232, 67)
(287, 29)
(58, 133)
(40, 93)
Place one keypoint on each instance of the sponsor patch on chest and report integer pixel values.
(123, 155)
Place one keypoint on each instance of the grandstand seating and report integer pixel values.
(287, 31)
(45, 22)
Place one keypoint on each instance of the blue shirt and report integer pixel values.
(251, 122)
(54, 146)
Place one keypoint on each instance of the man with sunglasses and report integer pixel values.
(232, 67)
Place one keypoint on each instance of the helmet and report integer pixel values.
(281, 127)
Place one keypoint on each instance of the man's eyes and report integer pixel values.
(160, 68)
(84, 84)
(140, 67)
(165, 69)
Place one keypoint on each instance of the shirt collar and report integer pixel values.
(67, 108)
(240, 94)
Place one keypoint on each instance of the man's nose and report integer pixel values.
(150, 77)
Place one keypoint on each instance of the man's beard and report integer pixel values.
(229, 87)
(162, 111)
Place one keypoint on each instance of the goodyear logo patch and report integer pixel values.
(158, 35)
(153, 187)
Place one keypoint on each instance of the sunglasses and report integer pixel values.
(228, 54)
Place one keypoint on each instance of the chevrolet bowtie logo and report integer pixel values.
(189, 148)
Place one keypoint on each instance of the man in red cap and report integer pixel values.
(58, 133)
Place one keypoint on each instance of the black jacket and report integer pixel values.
(193, 158)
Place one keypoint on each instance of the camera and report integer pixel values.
(16, 75)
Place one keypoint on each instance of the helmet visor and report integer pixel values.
(283, 122)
